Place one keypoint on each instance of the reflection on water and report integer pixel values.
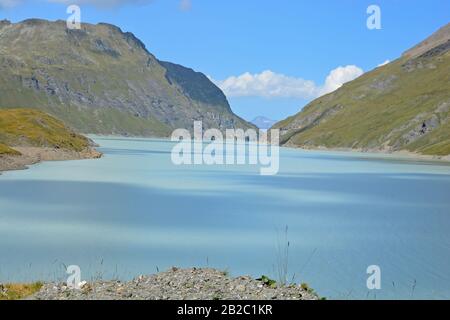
(133, 212)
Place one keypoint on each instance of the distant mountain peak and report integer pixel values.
(263, 123)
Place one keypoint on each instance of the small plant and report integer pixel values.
(217, 297)
(307, 288)
(304, 286)
(413, 288)
(267, 281)
(283, 258)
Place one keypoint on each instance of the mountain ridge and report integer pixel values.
(263, 122)
(99, 79)
(401, 106)
(437, 38)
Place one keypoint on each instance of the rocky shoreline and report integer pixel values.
(32, 155)
(178, 284)
(400, 154)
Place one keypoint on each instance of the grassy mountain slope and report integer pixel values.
(404, 105)
(102, 80)
(33, 128)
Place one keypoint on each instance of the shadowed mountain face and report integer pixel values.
(404, 105)
(102, 80)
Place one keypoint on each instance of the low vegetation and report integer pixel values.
(5, 150)
(15, 291)
(267, 281)
(33, 128)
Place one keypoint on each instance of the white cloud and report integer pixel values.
(266, 84)
(338, 77)
(384, 63)
(271, 85)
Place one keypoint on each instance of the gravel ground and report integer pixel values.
(32, 155)
(177, 284)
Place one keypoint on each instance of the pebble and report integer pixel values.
(176, 284)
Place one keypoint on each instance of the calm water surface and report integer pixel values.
(133, 212)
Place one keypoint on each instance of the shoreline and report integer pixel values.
(33, 155)
(397, 154)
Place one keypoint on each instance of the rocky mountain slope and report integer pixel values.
(404, 105)
(101, 80)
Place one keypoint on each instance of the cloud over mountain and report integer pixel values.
(338, 77)
(269, 84)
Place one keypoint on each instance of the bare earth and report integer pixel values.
(32, 155)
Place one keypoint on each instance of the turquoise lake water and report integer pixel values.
(134, 212)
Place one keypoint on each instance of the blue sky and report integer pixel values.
(298, 43)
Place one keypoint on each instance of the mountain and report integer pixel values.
(263, 122)
(404, 105)
(438, 38)
(100, 79)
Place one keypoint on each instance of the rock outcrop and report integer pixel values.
(100, 79)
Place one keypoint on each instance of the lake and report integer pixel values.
(134, 212)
